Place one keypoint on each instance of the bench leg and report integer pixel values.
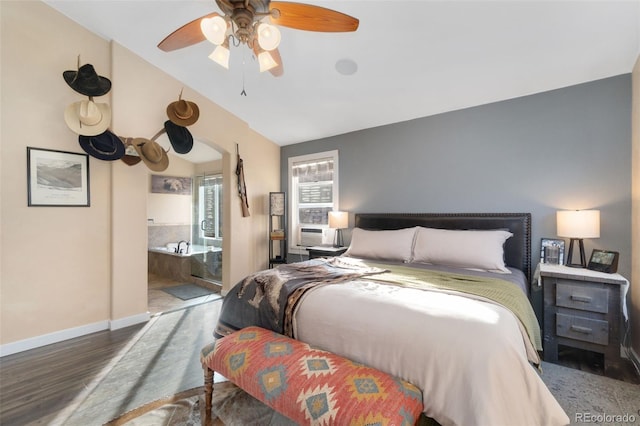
(208, 392)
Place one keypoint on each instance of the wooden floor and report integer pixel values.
(37, 384)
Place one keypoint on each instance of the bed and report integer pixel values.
(439, 300)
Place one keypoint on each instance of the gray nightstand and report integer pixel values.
(325, 251)
(582, 309)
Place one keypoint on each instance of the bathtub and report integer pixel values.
(194, 249)
(201, 261)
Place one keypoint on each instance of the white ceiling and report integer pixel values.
(414, 58)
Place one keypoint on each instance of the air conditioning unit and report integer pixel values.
(314, 237)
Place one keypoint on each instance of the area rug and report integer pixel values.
(230, 406)
(585, 397)
(188, 291)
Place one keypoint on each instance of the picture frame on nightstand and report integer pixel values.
(604, 261)
(552, 251)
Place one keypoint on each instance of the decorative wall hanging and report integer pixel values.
(152, 154)
(179, 136)
(86, 80)
(242, 188)
(130, 157)
(170, 185)
(183, 113)
(57, 178)
(88, 118)
(105, 146)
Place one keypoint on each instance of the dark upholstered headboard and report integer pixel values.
(517, 249)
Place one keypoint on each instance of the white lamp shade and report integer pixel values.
(214, 29)
(268, 36)
(338, 220)
(578, 223)
(221, 56)
(266, 61)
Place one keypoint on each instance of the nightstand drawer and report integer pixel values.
(582, 297)
(585, 329)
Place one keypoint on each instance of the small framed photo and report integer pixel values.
(604, 261)
(57, 178)
(161, 184)
(552, 251)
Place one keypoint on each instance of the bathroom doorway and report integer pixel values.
(206, 234)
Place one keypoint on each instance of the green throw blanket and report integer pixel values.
(497, 290)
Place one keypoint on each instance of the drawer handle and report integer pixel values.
(584, 299)
(583, 330)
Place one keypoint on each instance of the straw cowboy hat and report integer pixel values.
(183, 113)
(86, 81)
(179, 136)
(105, 146)
(152, 154)
(130, 156)
(88, 118)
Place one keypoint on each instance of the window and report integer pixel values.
(210, 206)
(313, 188)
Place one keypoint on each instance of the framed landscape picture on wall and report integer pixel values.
(57, 178)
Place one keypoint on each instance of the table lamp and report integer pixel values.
(577, 225)
(338, 221)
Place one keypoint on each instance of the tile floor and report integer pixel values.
(160, 301)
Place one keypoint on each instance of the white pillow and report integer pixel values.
(469, 249)
(394, 244)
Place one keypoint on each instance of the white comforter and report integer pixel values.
(468, 356)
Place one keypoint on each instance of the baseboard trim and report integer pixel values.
(70, 333)
(55, 337)
(128, 321)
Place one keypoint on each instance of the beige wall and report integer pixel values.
(635, 211)
(69, 271)
(171, 209)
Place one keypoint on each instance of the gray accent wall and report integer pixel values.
(564, 149)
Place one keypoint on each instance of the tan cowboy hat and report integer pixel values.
(183, 113)
(88, 118)
(152, 154)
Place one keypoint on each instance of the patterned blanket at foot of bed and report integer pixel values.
(308, 385)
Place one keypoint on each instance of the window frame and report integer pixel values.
(217, 210)
(294, 234)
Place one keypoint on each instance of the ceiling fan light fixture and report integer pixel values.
(221, 55)
(268, 36)
(266, 61)
(214, 29)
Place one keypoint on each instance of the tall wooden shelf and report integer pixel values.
(277, 228)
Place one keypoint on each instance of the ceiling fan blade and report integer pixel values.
(185, 36)
(312, 18)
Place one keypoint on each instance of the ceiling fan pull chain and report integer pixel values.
(243, 93)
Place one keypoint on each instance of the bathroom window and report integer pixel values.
(210, 206)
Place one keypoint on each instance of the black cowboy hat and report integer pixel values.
(105, 146)
(87, 82)
(179, 136)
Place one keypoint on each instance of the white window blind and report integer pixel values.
(313, 188)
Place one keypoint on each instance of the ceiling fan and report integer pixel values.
(254, 23)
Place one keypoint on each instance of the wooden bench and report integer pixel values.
(308, 385)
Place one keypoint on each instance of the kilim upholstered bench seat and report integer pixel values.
(310, 386)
